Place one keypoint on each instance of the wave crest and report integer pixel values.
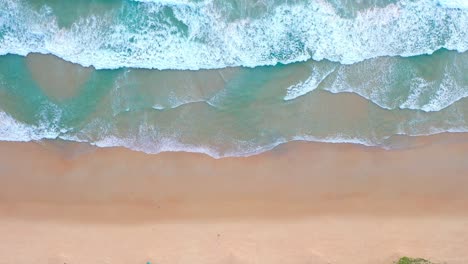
(164, 35)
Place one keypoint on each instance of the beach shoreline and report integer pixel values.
(233, 132)
(304, 202)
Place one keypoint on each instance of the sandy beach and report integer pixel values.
(299, 203)
(233, 132)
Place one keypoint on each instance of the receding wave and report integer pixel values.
(217, 34)
(233, 111)
(427, 83)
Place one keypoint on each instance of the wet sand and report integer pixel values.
(299, 203)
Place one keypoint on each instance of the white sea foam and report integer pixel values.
(337, 139)
(200, 35)
(448, 92)
(172, 2)
(13, 130)
(154, 147)
(302, 88)
(454, 3)
(244, 149)
(386, 80)
(149, 141)
(158, 107)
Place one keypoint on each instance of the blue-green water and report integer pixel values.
(231, 78)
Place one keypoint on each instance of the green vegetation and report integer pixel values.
(406, 260)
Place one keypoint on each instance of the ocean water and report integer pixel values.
(232, 77)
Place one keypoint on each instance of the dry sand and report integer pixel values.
(299, 203)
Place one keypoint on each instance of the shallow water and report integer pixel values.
(275, 71)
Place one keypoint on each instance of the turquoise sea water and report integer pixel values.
(231, 78)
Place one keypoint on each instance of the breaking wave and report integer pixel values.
(215, 34)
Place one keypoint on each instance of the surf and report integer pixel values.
(188, 35)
